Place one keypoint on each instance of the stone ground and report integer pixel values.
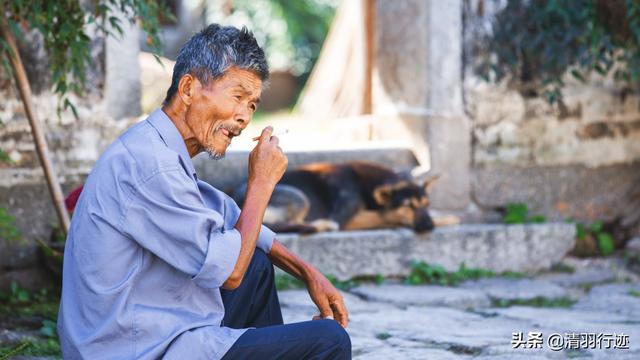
(396, 321)
(477, 319)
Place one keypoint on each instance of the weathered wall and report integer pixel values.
(74, 144)
(579, 158)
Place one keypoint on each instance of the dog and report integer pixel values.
(355, 195)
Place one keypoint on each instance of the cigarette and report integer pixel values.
(281, 132)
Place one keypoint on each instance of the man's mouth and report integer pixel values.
(229, 132)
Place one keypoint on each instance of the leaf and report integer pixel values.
(576, 74)
(596, 226)
(605, 243)
(4, 157)
(538, 219)
(48, 328)
(581, 232)
(516, 213)
(23, 296)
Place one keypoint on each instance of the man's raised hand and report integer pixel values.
(267, 162)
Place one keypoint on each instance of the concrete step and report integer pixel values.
(230, 171)
(497, 247)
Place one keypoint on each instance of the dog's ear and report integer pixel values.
(382, 194)
(428, 184)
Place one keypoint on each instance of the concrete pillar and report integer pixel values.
(122, 79)
(418, 83)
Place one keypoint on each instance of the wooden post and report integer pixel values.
(368, 9)
(22, 83)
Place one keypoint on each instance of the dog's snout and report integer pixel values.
(423, 223)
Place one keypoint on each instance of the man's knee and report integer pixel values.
(260, 261)
(335, 337)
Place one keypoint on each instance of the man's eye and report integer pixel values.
(237, 97)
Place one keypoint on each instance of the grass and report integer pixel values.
(43, 305)
(383, 336)
(423, 273)
(539, 302)
(635, 293)
(47, 347)
(20, 302)
(288, 282)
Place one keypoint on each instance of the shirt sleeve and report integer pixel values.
(266, 236)
(168, 217)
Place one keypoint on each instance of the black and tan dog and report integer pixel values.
(347, 196)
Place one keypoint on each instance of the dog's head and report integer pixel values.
(406, 203)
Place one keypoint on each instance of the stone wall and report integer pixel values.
(578, 158)
(74, 143)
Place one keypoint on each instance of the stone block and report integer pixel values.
(428, 295)
(389, 252)
(496, 247)
(32, 279)
(351, 253)
(561, 192)
(509, 289)
(17, 254)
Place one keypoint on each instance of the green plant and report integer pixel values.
(537, 42)
(383, 336)
(10, 352)
(291, 32)
(344, 284)
(604, 240)
(8, 229)
(21, 302)
(541, 302)
(635, 293)
(423, 273)
(64, 26)
(288, 282)
(518, 213)
(16, 295)
(48, 347)
(48, 329)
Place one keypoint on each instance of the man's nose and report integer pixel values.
(243, 118)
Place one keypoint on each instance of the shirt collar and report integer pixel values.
(171, 136)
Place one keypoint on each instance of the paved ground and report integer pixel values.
(476, 319)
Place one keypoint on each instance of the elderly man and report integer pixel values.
(160, 264)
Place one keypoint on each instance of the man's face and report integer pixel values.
(223, 108)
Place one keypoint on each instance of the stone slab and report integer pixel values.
(581, 277)
(613, 298)
(560, 192)
(509, 289)
(347, 254)
(496, 247)
(428, 295)
(531, 247)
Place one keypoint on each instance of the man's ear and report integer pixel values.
(186, 88)
(382, 194)
(428, 184)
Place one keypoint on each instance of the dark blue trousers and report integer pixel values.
(255, 304)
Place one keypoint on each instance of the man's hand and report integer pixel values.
(267, 162)
(327, 298)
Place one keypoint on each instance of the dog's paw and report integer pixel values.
(325, 225)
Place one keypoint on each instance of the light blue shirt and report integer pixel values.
(149, 247)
